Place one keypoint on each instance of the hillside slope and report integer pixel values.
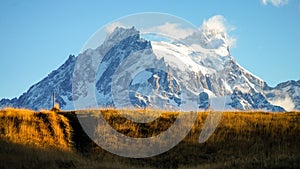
(242, 140)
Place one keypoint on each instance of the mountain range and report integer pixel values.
(201, 70)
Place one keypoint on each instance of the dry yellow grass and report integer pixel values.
(241, 140)
(43, 129)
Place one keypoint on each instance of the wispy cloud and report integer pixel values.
(171, 29)
(218, 25)
(275, 2)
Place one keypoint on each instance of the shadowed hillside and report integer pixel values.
(242, 140)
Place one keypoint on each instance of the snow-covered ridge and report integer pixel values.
(202, 67)
(286, 95)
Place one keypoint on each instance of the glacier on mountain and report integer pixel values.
(172, 76)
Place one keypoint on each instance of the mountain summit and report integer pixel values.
(202, 67)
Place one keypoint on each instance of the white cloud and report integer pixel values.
(286, 103)
(218, 25)
(275, 2)
(112, 26)
(173, 30)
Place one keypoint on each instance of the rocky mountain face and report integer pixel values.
(127, 70)
(286, 95)
(39, 96)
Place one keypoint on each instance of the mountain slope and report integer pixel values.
(39, 96)
(170, 75)
(286, 95)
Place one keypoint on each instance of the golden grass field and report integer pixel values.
(46, 139)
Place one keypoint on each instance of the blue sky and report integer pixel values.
(38, 36)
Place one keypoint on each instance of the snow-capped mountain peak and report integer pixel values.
(119, 34)
(201, 69)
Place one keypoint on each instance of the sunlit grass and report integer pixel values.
(42, 129)
(241, 140)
